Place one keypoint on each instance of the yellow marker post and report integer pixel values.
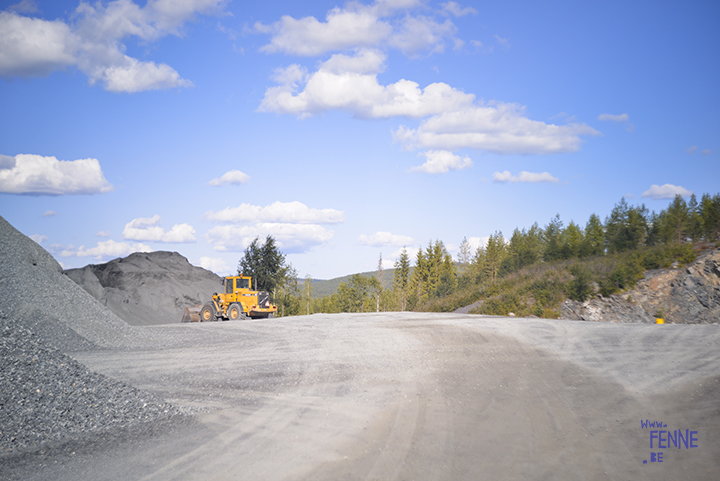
(659, 321)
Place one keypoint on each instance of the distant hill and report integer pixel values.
(329, 287)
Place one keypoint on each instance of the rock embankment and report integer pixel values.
(148, 288)
(690, 295)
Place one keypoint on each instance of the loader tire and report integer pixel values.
(207, 313)
(235, 312)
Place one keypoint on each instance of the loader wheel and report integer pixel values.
(207, 313)
(235, 312)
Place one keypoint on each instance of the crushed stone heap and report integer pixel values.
(147, 288)
(35, 292)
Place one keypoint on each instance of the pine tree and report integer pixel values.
(402, 275)
(495, 253)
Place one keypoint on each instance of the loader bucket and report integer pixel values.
(191, 314)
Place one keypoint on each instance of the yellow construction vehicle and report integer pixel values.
(238, 301)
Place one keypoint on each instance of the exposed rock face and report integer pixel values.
(683, 296)
(148, 288)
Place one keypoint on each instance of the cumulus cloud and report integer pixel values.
(277, 212)
(103, 233)
(38, 175)
(350, 83)
(93, 43)
(295, 226)
(215, 264)
(232, 177)
(105, 250)
(49, 213)
(524, 176)
(442, 161)
(382, 23)
(149, 229)
(291, 238)
(497, 127)
(666, 191)
(380, 239)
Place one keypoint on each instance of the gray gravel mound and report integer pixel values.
(46, 397)
(34, 291)
(148, 288)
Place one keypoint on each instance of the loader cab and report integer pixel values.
(234, 283)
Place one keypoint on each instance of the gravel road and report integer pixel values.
(407, 396)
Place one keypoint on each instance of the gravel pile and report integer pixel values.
(34, 291)
(48, 397)
(148, 288)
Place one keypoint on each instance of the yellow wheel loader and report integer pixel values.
(238, 301)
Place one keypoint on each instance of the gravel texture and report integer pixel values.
(47, 397)
(148, 288)
(34, 291)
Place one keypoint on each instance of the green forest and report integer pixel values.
(530, 273)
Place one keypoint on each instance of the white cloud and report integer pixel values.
(49, 213)
(350, 83)
(524, 176)
(94, 42)
(25, 6)
(379, 239)
(105, 250)
(621, 118)
(232, 177)
(103, 233)
(442, 161)
(706, 152)
(477, 242)
(666, 191)
(380, 24)
(31, 47)
(691, 150)
(343, 29)
(216, 265)
(277, 212)
(39, 238)
(455, 9)
(149, 229)
(416, 34)
(35, 174)
(291, 238)
(498, 127)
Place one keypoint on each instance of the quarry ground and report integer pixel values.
(407, 396)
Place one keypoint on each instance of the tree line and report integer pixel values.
(435, 274)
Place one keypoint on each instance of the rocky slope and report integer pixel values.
(690, 295)
(148, 288)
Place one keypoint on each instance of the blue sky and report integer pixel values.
(345, 130)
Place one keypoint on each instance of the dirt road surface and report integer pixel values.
(410, 396)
